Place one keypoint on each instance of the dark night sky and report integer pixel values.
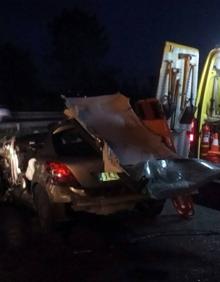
(137, 29)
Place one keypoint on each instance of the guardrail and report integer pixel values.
(35, 115)
(28, 122)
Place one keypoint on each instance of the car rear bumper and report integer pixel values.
(98, 203)
(106, 205)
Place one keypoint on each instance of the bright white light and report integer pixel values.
(163, 163)
(206, 164)
(148, 169)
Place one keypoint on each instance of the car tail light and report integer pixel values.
(60, 173)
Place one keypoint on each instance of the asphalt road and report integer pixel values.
(127, 247)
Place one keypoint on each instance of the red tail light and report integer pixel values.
(60, 172)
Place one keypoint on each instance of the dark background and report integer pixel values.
(83, 47)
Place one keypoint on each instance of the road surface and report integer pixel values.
(127, 247)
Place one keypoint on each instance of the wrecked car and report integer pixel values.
(101, 159)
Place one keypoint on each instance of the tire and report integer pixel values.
(2, 189)
(43, 207)
(151, 208)
(48, 212)
(2, 186)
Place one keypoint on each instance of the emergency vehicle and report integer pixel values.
(186, 117)
(192, 112)
(207, 117)
(177, 90)
(171, 114)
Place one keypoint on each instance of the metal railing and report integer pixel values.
(20, 123)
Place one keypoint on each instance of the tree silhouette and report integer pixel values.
(79, 43)
(18, 84)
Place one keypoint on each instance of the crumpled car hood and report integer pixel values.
(167, 178)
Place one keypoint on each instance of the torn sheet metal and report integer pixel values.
(9, 152)
(158, 170)
(111, 162)
(167, 178)
(111, 118)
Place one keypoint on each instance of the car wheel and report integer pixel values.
(49, 213)
(151, 208)
(2, 186)
(43, 207)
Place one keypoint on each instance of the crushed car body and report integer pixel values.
(101, 159)
(141, 153)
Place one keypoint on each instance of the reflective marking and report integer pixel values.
(108, 176)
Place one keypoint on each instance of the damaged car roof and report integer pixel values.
(111, 117)
(141, 151)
